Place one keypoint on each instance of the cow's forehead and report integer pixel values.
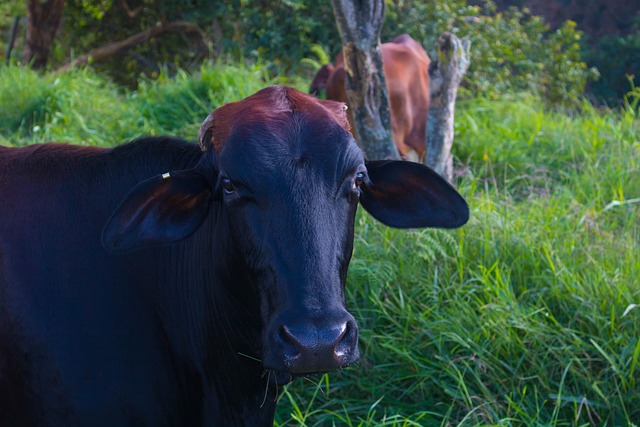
(272, 110)
(279, 131)
(289, 150)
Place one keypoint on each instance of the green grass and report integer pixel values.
(80, 106)
(527, 316)
(84, 108)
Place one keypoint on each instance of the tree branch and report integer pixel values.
(111, 49)
(130, 13)
(12, 37)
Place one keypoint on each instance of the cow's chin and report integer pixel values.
(279, 378)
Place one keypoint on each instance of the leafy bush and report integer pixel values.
(9, 9)
(88, 24)
(281, 31)
(616, 57)
(511, 51)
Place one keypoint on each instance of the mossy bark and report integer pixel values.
(445, 74)
(43, 19)
(359, 24)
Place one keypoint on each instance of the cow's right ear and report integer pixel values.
(164, 209)
(411, 195)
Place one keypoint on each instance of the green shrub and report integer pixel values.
(89, 24)
(281, 32)
(511, 51)
(616, 57)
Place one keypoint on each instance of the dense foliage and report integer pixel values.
(90, 24)
(511, 50)
(529, 315)
(618, 60)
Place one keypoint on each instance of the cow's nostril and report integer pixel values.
(340, 349)
(287, 337)
(345, 343)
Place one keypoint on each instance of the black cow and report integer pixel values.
(223, 273)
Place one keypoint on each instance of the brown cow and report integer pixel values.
(406, 66)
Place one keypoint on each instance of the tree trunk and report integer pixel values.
(359, 23)
(43, 19)
(12, 38)
(445, 74)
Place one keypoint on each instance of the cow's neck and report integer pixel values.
(219, 344)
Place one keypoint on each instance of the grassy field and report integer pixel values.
(527, 316)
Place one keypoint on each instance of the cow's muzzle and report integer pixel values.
(303, 345)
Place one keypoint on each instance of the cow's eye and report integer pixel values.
(227, 185)
(359, 180)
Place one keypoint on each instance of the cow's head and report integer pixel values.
(288, 176)
(319, 83)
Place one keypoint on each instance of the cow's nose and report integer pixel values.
(318, 345)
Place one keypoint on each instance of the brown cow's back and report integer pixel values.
(406, 66)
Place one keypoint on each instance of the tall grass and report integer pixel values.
(80, 106)
(85, 108)
(527, 316)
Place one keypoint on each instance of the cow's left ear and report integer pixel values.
(164, 209)
(410, 195)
